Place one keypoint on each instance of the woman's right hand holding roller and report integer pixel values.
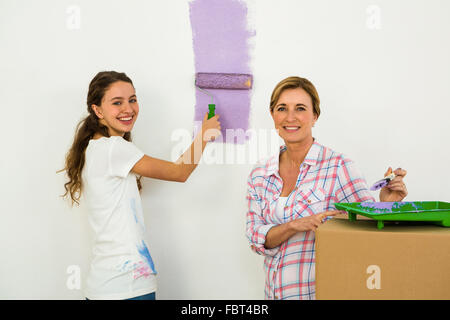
(211, 128)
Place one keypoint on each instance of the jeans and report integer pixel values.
(149, 296)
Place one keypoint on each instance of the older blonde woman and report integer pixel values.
(292, 194)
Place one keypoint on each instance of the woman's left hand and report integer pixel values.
(396, 189)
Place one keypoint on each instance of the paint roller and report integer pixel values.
(230, 81)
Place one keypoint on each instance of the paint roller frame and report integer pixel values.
(227, 81)
(231, 81)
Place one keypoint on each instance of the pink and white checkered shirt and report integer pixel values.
(325, 177)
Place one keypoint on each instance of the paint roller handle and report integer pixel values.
(212, 110)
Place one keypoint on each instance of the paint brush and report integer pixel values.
(383, 182)
(230, 81)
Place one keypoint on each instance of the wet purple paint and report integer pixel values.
(379, 184)
(386, 207)
(220, 39)
(380, 207)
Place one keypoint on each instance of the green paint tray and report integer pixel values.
(436, 212)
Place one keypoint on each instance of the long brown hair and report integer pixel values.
(85, 131)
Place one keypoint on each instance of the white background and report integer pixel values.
(384, 86)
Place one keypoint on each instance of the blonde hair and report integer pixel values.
(293, 83)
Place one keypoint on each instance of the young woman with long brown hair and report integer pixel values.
(105, 167)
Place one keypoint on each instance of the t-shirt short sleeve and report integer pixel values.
(123, 155)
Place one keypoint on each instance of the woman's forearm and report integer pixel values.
(189, 160)
(279, 234)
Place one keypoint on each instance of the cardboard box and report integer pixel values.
(355, 260)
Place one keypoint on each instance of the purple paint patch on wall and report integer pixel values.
(220, 40)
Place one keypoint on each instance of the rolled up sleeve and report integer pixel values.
(351, 185)
(257, 226)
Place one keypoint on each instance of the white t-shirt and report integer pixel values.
(279, 209)
(121, 267)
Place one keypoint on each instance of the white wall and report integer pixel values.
(385, 102)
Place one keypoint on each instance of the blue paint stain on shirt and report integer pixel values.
(133, 208)
(143, 251)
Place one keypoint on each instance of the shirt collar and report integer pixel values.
(312, 158)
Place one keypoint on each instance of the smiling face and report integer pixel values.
(119, 108)
(293, 115)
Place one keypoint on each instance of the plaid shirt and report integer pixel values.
(325, 177)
